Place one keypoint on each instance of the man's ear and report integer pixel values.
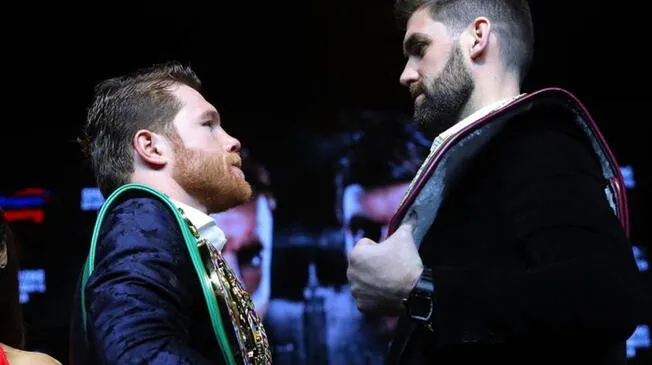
(152, 148)
(479, 33)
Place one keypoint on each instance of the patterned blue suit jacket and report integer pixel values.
(143, 300)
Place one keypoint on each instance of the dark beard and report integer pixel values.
(446, 96)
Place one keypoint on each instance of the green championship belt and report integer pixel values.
(223, 292)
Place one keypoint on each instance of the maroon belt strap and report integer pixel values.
(426, 191)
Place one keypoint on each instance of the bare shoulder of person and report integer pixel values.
(37, 358)
(19, 357)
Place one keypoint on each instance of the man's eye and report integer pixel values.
(250, 255)
(420, 49)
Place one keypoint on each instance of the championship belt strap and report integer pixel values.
(248, 332)
(450, 150)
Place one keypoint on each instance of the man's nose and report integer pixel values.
(232, 144)
(409, 75)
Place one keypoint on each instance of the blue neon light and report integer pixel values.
(628, 176)
(640, 339)
(22, 202)
(30, 281)
(641, 260)
(91, 199)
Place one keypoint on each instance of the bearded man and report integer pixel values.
(155, 288)
(515, 224)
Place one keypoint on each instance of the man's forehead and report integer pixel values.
(419, 18)
(421, 23)
(193, 102)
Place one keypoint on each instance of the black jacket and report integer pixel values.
(530, 264)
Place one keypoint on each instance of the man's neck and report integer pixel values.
(169, 187)
(491, 90)
(177, 193)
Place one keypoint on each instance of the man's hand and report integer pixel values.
(381, 274)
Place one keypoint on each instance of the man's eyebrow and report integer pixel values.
(210, 114)
(413, 41)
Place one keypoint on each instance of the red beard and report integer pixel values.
(209, 178)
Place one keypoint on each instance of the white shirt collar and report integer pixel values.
(443, 136)
(206, 225)
(473, 118)
(491, 107)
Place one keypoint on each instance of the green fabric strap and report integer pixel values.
(191, 244)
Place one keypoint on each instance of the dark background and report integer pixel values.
(278, 72)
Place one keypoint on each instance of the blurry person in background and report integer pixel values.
(381, 152)
(12, 331)
(249, 230)
(371, 178)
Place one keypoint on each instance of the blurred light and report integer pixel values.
(11, 202)
(25, 204)
(628, 176)
(91, 199)
(639, 339)
(30, 281)
(641, 260)
(34, 215)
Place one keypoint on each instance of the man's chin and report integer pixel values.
(240, 191)
(240, 194)
(246, 196)
(423, 121)
(247, 191)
